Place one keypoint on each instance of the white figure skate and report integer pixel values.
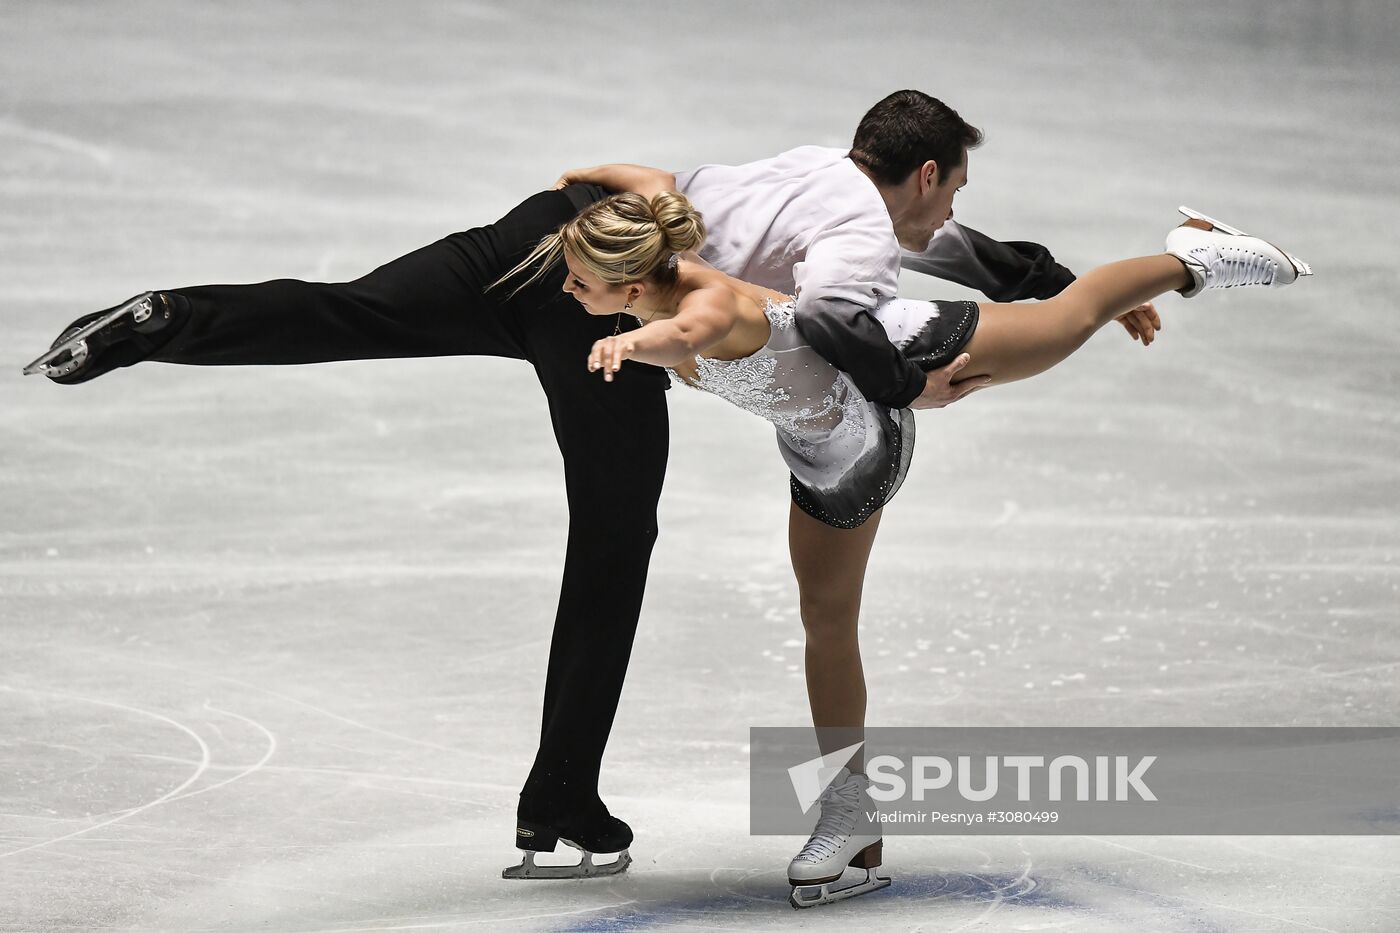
(843, 838)
(1220, 256)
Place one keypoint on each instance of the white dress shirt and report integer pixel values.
(806, 221)
(809, 222)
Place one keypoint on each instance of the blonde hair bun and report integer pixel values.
(622, 238)
(681, 224)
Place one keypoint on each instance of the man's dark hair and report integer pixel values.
(907, 129)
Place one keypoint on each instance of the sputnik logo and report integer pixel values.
(811, 778)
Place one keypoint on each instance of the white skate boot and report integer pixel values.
(1220, 256)
(843, 837)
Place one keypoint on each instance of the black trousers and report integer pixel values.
(613, 436)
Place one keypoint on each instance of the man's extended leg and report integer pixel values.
(613, 435)
(435, 301)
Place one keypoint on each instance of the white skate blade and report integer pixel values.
(139, 308)
(586, 867)
(1300, 268)
(815, 895)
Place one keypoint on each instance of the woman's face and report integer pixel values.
(596, 296)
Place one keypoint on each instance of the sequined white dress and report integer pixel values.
(848, 455)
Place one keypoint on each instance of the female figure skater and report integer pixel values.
(840, 215)
(635, 253)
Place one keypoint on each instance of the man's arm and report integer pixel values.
(840, 330)
(844, 273)
(836, 293)
(850, 338)
(1012, 271)
(639, 179)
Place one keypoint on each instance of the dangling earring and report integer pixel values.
(617, 328)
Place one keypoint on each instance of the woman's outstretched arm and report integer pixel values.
(702, 321)
(618, 176)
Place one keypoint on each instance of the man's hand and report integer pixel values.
(608, 354)
(1142, 323)
(572, 177)
(641, 179)
(941, 391)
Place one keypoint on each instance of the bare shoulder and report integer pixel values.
(740, 326)
(714, 300)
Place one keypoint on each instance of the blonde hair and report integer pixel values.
(622, 238)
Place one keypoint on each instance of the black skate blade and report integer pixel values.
(584, 868)
(815, 895)
(43, 363)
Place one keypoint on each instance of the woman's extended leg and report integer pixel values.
(1017, 341)
(830, 567)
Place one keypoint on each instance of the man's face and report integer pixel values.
(929, 206)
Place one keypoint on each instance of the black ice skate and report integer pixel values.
(100, 342)
(590, 835)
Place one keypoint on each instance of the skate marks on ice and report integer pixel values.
(948, 897)
(283, 704)
(319, 710)
(102, 790)
(18, 132)
(758, 899)
(116, 816)
(1087, 884)
(122, 745)
(179, 792)
(945, 901)
(83, 754)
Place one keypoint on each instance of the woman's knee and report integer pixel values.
(828, 615)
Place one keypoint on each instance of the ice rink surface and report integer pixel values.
(272, 642)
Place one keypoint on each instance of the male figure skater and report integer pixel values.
(613, 436)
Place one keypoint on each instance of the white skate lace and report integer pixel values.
(840, 806)
(1229, 266)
